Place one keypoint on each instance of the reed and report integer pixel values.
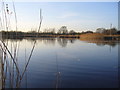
(57, 83)
(9, 61)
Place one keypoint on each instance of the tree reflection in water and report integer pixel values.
(111, 43)
(64, 41)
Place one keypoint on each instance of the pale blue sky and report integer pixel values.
(79, 16)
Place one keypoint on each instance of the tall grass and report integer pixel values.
(9, 60)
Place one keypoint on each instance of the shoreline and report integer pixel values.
(88, 36)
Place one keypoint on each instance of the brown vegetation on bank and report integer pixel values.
(91, 36)
(98, 36)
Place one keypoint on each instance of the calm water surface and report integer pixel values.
(80, 64)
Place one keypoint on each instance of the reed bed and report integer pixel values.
(93, 36)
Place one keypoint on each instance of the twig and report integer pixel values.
(32, 49)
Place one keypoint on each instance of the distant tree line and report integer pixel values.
(111, 31)
(62, 31)
(45, 33)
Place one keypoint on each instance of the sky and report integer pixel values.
(78, 16)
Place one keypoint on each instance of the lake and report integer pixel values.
(67, 63)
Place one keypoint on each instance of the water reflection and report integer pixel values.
(64, 41)
(111, 43)
(75, 64)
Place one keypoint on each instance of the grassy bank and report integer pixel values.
(98, 36)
